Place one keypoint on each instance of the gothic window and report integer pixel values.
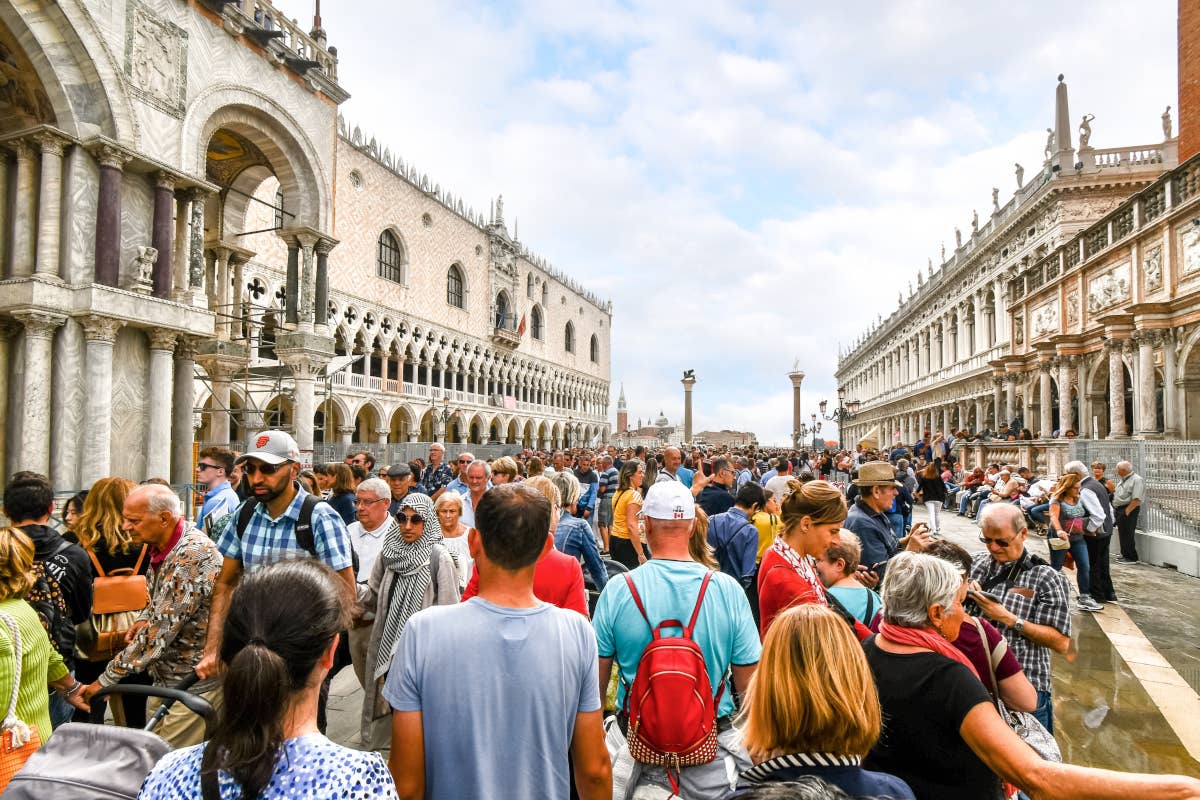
(279, 208)
(569, 338)
(595, 349)
(454, 286)
(536, 325)
(529, 286)
(391, 258)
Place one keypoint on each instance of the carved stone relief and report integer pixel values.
(1152, 269)
(1109, 288)
(1191, 250)
(1019, 330)
(1073, 308)
(1045, 319)
(156, 59)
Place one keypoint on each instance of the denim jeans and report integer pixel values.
(1045, 709)
(60, 710)
(1083, 564)
(1038, 513)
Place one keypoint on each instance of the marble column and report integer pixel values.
(998, 402)
(796, 376)
(304, 404)
(4, 238)
(381, 436)
(68, 399)
(1045, 406)
(35, 388)
(237, 302)
(689, 382)
(321, 315)
(1010, 399)
(946, 427)
(218, 419)
(346, 432)
(980, 414)
(1066, 419)
(158, 427)
(1146, 394)
(1116, 390)
(7, 330)
(162, 233)
(24, 212)
(1084, 414)
(108, 216)
(49, 225)
(181, 241)
(306, 288)
(197, 198)
(291, 313)
(1170, 390)
(99, 333)
(962, 415)
(183, 402)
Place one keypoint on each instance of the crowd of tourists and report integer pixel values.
(613, 624)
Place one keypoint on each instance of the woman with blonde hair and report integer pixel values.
(40, 664)
(1065, 535)
(504, 470)
(811, 708)
(101, 534)
(698, 546)
(812, 517)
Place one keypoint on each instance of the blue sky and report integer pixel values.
(750, 183)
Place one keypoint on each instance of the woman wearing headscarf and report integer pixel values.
(414, 571)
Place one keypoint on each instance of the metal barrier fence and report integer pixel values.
(387, 454)
(1171, 470)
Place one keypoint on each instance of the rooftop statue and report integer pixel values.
(1085, 130)
(1020, 176)
(995, 199)
(1049, 143)
(1166, 121)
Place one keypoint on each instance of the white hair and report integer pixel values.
(568, 486)
(487, 469)
(162, 498)
(448, 498)
(1078, 467)
(377, 487)
(914, 583)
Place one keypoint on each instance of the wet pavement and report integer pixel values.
(1107, 706)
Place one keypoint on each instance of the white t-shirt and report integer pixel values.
(367, 544)
(778, 486)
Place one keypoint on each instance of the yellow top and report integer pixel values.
(768, 527)
(624, 499)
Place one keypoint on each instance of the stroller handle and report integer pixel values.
(170, 695)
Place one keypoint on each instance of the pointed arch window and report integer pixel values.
(594, 350)
(390, 261)
(537, 324)
(569, 338)
(454, 286)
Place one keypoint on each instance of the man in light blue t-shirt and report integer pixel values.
(492, 696)
(668, 585)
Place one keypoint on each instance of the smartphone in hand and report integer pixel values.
(983, 594)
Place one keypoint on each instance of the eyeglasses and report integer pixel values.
(202, 466)
(358, 502)
(410, 519)
(251, 467)
(464, 461)
(1001, 543)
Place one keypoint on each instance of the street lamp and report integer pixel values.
(807, 430)
(444, 415)
(844, 413)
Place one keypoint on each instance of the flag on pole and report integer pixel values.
(521, 327)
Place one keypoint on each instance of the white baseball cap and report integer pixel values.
(273, 447)
(669, 500)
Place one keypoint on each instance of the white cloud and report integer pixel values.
(749, 183)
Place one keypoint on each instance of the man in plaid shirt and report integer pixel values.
(1034, 612)
(438, 474)
(272, 469)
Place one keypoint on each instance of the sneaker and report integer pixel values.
(1088, 604)
(1124, 560)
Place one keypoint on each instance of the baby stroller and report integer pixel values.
(613, 568)
(85, 761)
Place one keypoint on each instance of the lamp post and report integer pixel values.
(443, 416)
(808, 430)
(844, 413)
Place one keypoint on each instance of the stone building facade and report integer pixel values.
(194, 244)
(1071, 308)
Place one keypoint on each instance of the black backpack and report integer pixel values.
(47, 600)
(304, 531)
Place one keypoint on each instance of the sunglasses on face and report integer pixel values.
(410, 519)
(251, 467)
(202, 466)
(1001, 543)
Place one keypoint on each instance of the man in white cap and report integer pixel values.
(278, 522)
(669, 585)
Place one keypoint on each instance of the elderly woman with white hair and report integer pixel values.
(449, 508)
(942, 734)
(573, 535)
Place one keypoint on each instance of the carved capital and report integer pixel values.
(50, 143)
(100, 329)
(164, 180)
(162, 339)
(109, 156)
(185, 348)
(346, 430)
(40, 324)
(22, 149)
(1114, 345)
(325, 246)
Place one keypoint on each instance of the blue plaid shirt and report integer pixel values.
(268, 540)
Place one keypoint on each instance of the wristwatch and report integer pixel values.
(1019, 625)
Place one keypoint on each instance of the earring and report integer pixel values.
(942, 633)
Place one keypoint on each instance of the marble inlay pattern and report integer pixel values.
(131, 376)
(80, 237)
(66, 404)
(137, 214)
(13, 415)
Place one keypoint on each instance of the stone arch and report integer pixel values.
(1188, 382)
(331, 414)
(1098, 393)
(278, 413)
(371, 415)
(475, 429)
(402, 424)
(528, 437)
(294, 159)
(71, 67)
(428, 427)
(513, 431)
(496, 430)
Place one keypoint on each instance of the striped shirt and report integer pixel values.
(269, 540)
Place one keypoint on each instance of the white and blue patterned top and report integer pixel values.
(311, 766)
(270, 540)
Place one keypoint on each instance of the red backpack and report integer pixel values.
(671, 709)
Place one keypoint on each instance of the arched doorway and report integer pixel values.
(401, 425)
(428, 427)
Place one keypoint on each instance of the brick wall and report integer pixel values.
(1189, 79)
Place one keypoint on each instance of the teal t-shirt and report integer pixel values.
(725, 630)
(858, 600)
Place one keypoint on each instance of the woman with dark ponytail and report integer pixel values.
(278, 644)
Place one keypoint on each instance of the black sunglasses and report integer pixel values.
(410, 519)
(250, 467)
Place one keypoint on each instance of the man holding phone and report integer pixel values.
(868, 517)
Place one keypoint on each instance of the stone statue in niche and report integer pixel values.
(1085, 131)
(1019, 330)
(1166, 123)
(1109, 289)
(143, 269)
(995, 200)
(1020, 175)
(1073, 308)
(1152, 269)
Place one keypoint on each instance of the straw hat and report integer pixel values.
(876, 473)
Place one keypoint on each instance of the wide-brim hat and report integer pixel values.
(876, 473)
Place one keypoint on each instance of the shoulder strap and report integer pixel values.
(638, 600)
(304, 531)
(987, 648)
(96, 561)
(245, 512)
(870, 613)
(137, 568)
(699, 600)
(836, 606)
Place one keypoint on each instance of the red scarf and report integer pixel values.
(926, 640)
(157, 557)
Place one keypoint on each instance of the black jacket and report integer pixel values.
(71, 567)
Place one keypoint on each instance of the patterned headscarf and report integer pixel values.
(410, 562)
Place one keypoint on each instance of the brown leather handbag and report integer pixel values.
(117, 596)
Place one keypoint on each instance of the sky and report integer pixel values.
(750, 183)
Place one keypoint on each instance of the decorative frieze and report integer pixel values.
(1109, 288)
(1152, 269)
(156, 60)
